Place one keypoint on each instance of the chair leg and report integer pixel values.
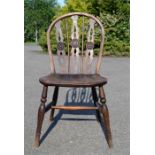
(54, 102)
(95, 99)
(41, 112)
(104, 111)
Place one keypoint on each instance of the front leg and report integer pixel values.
(41, 112)
(104, 111)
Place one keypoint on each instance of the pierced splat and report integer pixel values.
(90, 39)
(74, 67)
(59, 38)
(60, 47)
(89, 53)
(75, 36)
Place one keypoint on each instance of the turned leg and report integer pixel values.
(41, 112)
(95, 99)
(104, 111)
(54, 102)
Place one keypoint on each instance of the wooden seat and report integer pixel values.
(73, 80)
(72, 38)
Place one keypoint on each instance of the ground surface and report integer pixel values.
(75, 133)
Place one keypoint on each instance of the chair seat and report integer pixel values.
(73, 80)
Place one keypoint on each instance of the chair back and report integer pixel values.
(74, 43)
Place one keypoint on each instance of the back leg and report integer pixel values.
(54, 102)
(95, 99)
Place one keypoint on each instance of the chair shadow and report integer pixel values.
(74, 97)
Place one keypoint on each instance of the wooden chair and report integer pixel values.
(75, 67)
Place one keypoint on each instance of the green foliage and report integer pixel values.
(37, 16)
(43, 40)
(75, 6)
(116, 35)
(114, 14)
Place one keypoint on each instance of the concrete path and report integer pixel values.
(75, 133)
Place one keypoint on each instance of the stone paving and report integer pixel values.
(75, 132)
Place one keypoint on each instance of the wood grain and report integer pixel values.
(74, 107)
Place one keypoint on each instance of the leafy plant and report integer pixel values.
(37, 16)
(114, 15)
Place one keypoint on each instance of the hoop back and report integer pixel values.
(75, 48)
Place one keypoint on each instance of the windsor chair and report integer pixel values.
(75, 67)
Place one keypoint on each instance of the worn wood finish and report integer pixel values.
(68, 52)
(74, 17)
(89, 53)
(74, 107)
(41, 112)
(104, 111)
(82, 52)
(95, 99)
(60, 48)
(106, 120)
(75, 51)
(73, 80)
(102, 95)
(54, 101)
(72, 75)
